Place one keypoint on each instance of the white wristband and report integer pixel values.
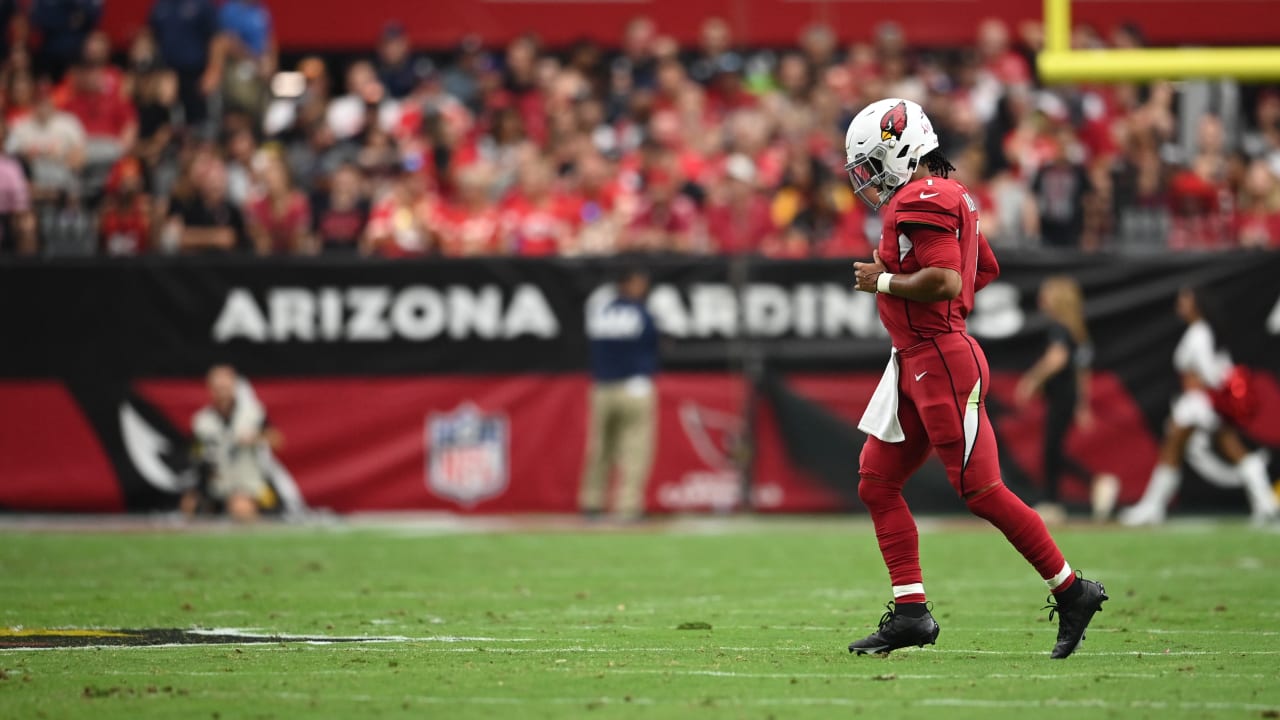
(882, 283)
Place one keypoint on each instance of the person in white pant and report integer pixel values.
(1205, 368)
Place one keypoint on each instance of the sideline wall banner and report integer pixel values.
(366, 366)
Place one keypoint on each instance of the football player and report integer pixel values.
(931, 260)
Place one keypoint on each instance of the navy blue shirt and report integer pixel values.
(624, 341)
(65, 24)
(8, 10)
(184, 29)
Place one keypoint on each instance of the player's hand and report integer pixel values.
(865, 274)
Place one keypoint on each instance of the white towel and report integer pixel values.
(880, 419)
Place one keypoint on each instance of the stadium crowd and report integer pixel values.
(192, 140)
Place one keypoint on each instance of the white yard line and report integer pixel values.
(1094, 703)
(295, 640)
(858, 628)
(1101, 675)
(806, 648)
(754, 702)
(679, 672)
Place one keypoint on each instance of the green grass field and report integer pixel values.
(584, 623)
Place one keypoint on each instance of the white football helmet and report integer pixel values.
(884, 146)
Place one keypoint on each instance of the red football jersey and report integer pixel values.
(464, 231)
(932, 222)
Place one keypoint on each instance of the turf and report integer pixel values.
(586, 623)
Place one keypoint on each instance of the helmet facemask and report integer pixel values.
(867, 171)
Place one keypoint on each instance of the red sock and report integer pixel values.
(898, 538)
(1026, 532)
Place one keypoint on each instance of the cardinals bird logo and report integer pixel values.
(715, 435)
(894, 122)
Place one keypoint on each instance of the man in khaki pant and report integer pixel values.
(624, 359)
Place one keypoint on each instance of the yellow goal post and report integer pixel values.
(1058, 63)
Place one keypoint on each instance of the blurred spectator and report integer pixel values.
(13, 27)
(898, 79)
(588, 150)
(1258, 214)
(395, 62)
(537, 219)
(365, 100)
(289, 115)
(637, 57)
(999, 61)
(586, 58)
(738, 220)
(818, 46)
(1127, 36)
(21, 92)
(17, 223)
(400, 224)
(502, 147)
(241, 158)
(1139, 189)
(605, 205)
(158, 108)
(463, 76)
(727, 91)
(279, 218)
(63, 26)
(520, 88)
(1200, 199)
(95, 95)
(245, 56)
(52, 144)
(313, 161)
(750, 134)
(341, 214)
(715, 40)
(667, 220)
(144, 57)
(1263, 140)
(248, 22)
(793, 82)
(472, 223)
(124, 219)
(816, 214)
(201, 217)
(378, 156)
(1062, 188)
(185, 31)
(94, 60)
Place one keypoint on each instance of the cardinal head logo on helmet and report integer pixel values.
(894, 122)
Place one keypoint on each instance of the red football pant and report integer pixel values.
(942, 390)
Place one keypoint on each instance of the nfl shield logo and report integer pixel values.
(467, 454)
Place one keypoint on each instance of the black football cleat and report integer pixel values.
(897, 631)
(1074, 617)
